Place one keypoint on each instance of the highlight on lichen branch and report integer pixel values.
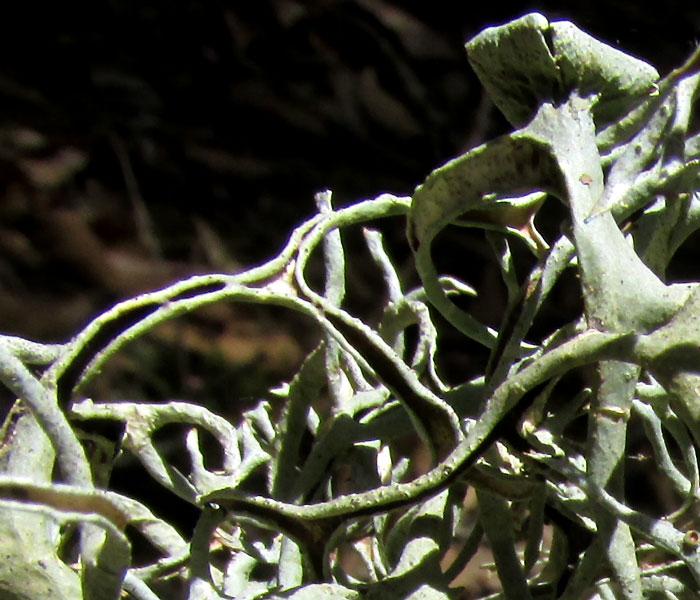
(376, 471)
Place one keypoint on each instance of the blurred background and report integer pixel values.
(141, 142)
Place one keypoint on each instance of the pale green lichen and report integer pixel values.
(596, 129)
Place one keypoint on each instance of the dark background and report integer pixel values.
(143, 141)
